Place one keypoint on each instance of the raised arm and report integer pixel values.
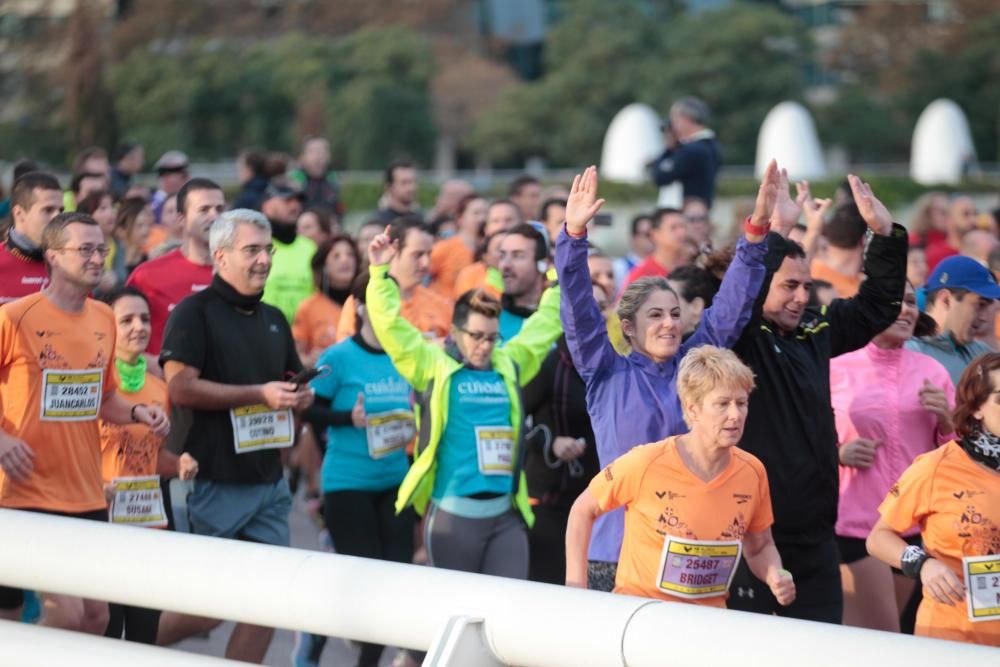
(814, 211)
(582, 320)
(412, 356)
(855, 321)
(732, 307)
(531, 345)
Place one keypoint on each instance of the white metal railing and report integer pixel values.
(462, 619)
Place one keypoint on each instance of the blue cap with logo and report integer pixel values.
(961, 272)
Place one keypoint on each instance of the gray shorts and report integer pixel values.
(251, 512)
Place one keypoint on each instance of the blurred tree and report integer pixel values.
(89, 108)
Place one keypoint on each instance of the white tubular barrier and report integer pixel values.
(526, 624)
(26, 645)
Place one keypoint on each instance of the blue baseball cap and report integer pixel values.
(961, 272)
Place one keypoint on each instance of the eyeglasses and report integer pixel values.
(479, 336)
(87, 251)
(252, 251)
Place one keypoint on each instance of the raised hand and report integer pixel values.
(786, 210)
(767, 195)
(582, 204)
(876, 215)
(381, 250)
(814, 209)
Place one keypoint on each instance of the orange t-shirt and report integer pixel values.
(448, 258)
(428, 311)
(956, 503)
(473, 276)
(131, 450)
(845, 286)
(662, 498)
(67, 359)
(316, 321)
(157, 235)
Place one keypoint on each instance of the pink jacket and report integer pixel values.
(875, 396)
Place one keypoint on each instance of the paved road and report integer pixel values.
(338, 652)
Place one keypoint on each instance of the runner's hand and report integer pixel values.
(876, 215)
(782, 585)
(859, 453)
(109, 492)
(155, 418)
(381, 250)
(15, 457)
(187, 467)
(279, 395)
(933, 400)
(941, 582)
(304, 397)
(767, 195)
(358, 416)
(582, 204)
(568, 449)
(813, 209)
(786, 211)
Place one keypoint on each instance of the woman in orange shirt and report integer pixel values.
(132, 456)
(335, 266)
(953, 494)
(696, 502)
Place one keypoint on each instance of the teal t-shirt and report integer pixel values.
(291, 277)
(510, 325)
(358, 459)
(476, 448)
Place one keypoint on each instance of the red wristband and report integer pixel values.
(755, 230)
(572, 235)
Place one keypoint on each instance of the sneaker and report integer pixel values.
(307, 649)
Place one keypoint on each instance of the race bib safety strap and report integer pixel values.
(694, 569)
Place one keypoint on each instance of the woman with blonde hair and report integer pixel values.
(696, 502)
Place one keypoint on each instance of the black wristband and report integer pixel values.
(912, 561)
(132, 412)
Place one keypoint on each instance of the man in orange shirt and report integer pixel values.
(696, 502)
(425, 309)
(840, 261)
(56, 379)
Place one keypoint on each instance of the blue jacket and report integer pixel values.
(633, 400)
(694, 164)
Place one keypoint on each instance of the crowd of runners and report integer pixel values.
(803, 420)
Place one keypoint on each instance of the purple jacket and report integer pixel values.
(633, 400)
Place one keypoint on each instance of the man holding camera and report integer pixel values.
(692, 157)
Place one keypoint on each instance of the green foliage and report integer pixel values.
(868, 127)
(740, 59)
(374, 84)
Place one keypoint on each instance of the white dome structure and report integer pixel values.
(788, 135)
(633, 140)
(942, 149)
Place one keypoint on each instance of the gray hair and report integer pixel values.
(636, 294)
(222, 235)
(693, 109)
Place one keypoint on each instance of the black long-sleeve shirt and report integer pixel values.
(790, 425)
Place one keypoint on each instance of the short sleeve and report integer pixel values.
(763, 515)
(908, 500)
(326, 386)
(185, 337)
(618, 484)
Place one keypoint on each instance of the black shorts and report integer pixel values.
(853, 549)
(13, 598)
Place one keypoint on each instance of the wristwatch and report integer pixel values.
(912, 561)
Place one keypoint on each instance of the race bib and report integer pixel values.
(258, 427)
(495, 445)
(389, 431)
(982, 583)
(71, 396)
(695, 569)
(138, 501)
